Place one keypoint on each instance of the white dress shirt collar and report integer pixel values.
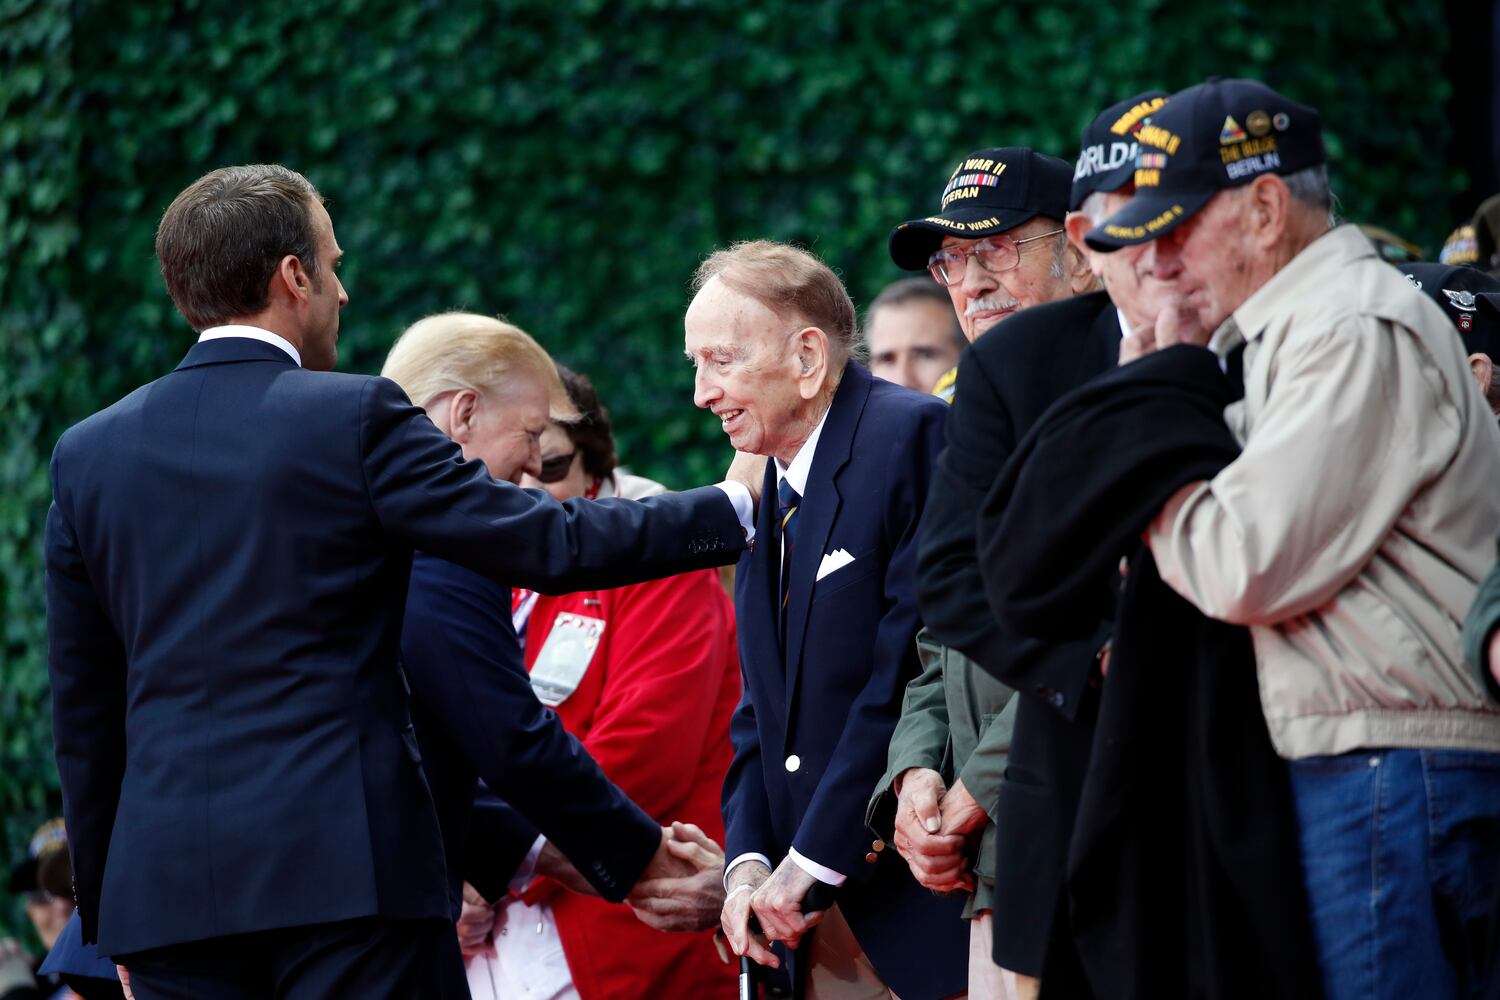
(797, 472)
(1124, 323)
(251, 333)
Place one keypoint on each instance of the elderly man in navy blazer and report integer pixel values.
(227, 555)
(827, 619)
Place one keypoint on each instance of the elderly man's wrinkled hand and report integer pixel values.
(1178, 323)
(1137, 343)
(778, 904)
(686, 902)
(938, 859)
(749, 471)
(744, 879)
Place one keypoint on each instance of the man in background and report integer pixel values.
(912, 335)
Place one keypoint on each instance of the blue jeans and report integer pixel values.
(1400, 855)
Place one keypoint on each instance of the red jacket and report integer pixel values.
(653, 709)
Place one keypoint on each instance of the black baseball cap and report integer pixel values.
(1468, 296)
(1206, 139)
(990, 191)
(1108, 147)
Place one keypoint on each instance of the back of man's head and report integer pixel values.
(222, 239)
(789, 281)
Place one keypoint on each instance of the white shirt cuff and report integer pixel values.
(816, 870)
(741, 860)
(524, 874)
(744, 507)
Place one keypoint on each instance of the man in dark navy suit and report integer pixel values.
(492, 388)
(827, 616)
(227, 555)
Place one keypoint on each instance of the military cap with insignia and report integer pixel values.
(1107, 148)
(1461, 247)
(1208, 138)
(46, 866)
(990, 191)
(1470, 299)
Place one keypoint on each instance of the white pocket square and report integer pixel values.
(835, 560)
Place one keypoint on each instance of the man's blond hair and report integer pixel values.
(450, 351)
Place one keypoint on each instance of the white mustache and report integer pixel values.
(991, 302)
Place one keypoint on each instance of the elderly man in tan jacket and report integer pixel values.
(1349, 536)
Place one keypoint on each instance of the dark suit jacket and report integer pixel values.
(477, 716)
(1006, 380)
(227, 558)
(834, 699)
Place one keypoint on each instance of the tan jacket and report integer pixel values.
(1352, 531)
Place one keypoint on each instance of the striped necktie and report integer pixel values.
(787, 502)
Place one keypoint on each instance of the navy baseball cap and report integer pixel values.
(46, 865)
(1218, 135)
(989, 192)
(1108, 147)
(1469, 297)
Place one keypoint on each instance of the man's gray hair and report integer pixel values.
(1310, 187)
(1093, 207)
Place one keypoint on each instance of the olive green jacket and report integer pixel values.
(1484, 618)
(955, 719)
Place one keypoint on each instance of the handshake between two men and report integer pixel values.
(681, 889)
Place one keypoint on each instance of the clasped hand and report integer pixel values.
(683, 888)
(937, 829)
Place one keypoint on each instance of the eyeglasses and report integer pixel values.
(555, 469)
(995, 253)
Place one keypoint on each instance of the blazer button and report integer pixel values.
(793, 762)
(872, 857)
(878, 846)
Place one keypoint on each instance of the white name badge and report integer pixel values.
(565, 657)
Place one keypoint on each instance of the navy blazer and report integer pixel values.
(811, 731)
(477, 716)
(227, 555)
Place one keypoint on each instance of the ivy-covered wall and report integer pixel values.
(567, 164)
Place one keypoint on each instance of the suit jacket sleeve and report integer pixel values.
(981, 435)
(468, 673)
(498, 838)
(747, 812)
(86, 667)
(665, 670)
(833, 831)
(424, 494)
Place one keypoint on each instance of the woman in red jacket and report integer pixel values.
(646, 677)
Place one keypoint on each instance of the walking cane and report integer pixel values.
(818, 898)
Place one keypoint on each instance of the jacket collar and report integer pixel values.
(820, 504)
(232, 349)
(1316, 266)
